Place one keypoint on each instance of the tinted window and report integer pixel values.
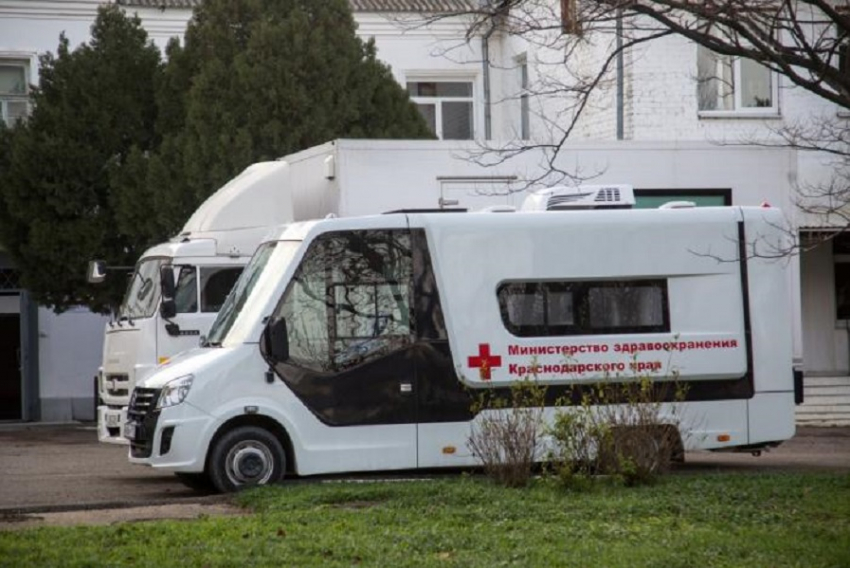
(216, 283)
(349, 300)
(584, 308)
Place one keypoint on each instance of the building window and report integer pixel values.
(522, 69)
(570, 23)
(446, 106)
(538, 309)
(14, 91)
(10, 279)
(726, 83)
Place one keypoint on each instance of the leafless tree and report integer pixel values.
(580, 47)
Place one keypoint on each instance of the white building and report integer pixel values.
(672, 90)
(477, 88)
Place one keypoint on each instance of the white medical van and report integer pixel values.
(353, 344)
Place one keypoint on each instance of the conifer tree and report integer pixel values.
(92, 105)
(121, 148)
(256, 80)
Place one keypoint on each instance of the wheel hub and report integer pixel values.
(249, 463)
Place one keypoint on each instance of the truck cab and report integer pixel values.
(147, 331)
(177, 287)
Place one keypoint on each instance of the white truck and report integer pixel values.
(342, 178)
(197, 269)
(352, 344)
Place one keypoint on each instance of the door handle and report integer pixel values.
(405, 388)
(447, 202)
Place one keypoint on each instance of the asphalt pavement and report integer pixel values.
(64, 468)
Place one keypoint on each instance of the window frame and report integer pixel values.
(737, 110)
(581, 307)
(524, 111)
(437, 101)
(25, 63)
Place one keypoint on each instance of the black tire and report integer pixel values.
(198, 482)
(244, 457)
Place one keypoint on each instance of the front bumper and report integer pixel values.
(110, 424)
(171, 439)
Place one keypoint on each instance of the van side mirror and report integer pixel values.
(167, 306)
(96, 272)
(276, 340)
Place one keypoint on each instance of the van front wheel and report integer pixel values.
(244, 457)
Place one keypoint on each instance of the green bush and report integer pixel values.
(618, 429)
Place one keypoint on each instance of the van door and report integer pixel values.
(444, 404)
(348, 313)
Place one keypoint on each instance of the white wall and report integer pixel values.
(69, 354)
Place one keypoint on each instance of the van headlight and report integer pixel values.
(174, 392)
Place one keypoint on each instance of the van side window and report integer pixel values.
(216, 283)
(349, 300)
(549, 308)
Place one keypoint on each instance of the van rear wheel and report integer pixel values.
(244, 457)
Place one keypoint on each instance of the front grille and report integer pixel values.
(117, 384)
(142, 412)
(142, 403)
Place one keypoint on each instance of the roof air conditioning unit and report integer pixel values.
(564, 198)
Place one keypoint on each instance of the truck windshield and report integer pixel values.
(143, 291)
(251, 293)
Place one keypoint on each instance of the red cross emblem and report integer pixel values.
(484, 361)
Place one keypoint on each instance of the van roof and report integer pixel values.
(518, 219)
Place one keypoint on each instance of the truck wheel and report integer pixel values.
(246, 456)
(199, 482)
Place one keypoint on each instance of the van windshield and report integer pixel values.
(143, 290)
(252, 290)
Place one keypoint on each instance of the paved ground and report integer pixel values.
(55, 466)
(62, 475)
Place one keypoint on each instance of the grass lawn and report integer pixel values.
(682, 521)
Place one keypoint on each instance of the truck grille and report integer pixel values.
(117, 384)
(142, 403)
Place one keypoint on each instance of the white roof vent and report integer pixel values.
(560, 198)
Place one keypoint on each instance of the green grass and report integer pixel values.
(682, 521)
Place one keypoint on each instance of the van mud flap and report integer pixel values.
(798, 386)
